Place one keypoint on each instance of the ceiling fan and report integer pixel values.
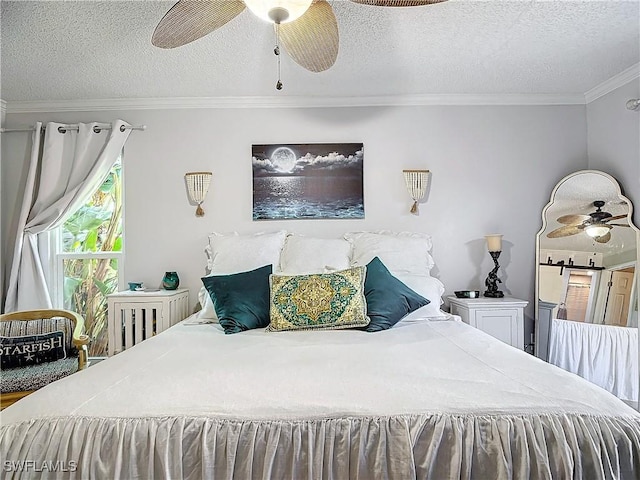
(595, 224)
(307, 28)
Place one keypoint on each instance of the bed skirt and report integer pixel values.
(606, 355)
(440, 446)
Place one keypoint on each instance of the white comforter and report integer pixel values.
(427, 399)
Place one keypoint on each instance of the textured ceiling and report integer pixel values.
(64, 50)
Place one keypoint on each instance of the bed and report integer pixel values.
(428, 398)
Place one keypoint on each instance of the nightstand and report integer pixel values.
(502, 318)
(136, 316)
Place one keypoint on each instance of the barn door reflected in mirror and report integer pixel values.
(586, 283)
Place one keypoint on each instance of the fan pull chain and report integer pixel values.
(276, 51)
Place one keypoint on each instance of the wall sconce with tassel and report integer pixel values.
(417, 182)
(197, 188)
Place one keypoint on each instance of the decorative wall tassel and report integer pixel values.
(197, 188)
(416, 181)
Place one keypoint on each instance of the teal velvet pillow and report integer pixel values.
(241, 300)
(388, 299)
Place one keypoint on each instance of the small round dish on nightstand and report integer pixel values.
(467, 293)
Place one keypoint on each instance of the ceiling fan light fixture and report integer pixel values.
(278, 11)
(595, 231)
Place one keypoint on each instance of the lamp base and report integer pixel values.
(492, 279)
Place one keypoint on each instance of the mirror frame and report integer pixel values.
(543, 228)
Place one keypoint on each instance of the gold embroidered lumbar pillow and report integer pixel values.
(319, 301)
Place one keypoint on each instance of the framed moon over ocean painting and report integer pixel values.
(311, 180)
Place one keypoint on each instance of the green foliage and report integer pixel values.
(86, 218)
(70, 286)
(117, 245)
(94, 227)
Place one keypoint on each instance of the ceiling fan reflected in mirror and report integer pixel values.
(595, 224)
(307, 29)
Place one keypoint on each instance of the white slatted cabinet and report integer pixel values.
(136, 316)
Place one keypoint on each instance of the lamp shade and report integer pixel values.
(197, 188)
(417, 182)
(494, 242)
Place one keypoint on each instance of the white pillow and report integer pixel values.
(430, 288)
(303, 255)
(207, 312)
(403, 252)
(234, 253)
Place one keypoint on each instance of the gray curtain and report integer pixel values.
(65, 169)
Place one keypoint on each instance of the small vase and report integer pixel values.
(170, 281)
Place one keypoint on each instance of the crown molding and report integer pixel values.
(289, 102)
(614, 82)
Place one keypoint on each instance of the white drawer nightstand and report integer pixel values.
(502, 318)
(136, 316)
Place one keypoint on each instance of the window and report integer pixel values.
(578, 295)
(89, 258)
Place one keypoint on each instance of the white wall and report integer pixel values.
(614, 139)
(493, 168)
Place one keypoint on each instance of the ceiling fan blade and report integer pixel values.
(573, 219)
(189, 20)
(603, 238)
(617, 224)
(565, 231)
(617, 217)
(398, 3)
(312, 40)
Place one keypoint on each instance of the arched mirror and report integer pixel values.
(587, 283)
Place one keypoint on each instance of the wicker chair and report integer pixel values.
(18, 382)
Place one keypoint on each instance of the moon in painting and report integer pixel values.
(283, 159)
